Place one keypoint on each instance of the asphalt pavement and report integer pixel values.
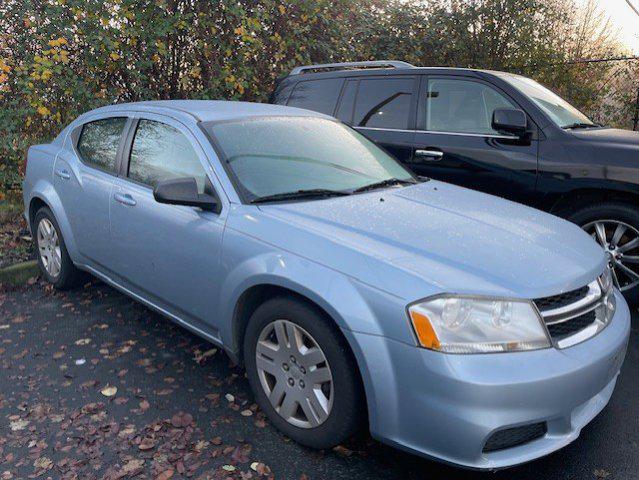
(94, 385)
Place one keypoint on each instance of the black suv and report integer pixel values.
(491, 131)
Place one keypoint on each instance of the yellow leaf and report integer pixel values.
(239, 31)
(44, 111)
(62, 41)
(282, 9)
(114, 56)
(109, 391)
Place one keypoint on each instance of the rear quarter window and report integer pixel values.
(98, 143)
(317, 95)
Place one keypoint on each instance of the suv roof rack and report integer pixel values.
(354, 65)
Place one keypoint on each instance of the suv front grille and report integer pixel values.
(512, 437)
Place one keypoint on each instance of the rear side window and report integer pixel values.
(161, 152)
(98, 143)
(384, 103)
(317, 95)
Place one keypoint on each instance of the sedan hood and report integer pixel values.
(454, 238)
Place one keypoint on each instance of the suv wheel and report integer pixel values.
(615, 226)
(53, 258)
(302, 373)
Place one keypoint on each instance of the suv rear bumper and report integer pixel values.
(447, 406)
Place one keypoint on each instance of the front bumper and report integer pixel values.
(446, 406)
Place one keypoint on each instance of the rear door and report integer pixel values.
(383, 109)
(84, 172)
(455, 142)
(169, 253)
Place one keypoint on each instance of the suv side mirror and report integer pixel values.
(183, 191)
(510, 120)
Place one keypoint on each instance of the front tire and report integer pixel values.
(615, 226)
(53, 258)
(302, 373)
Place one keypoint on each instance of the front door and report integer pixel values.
(168, 253)
(455, 142)
(383, 109)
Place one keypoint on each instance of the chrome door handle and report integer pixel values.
(63, 174)
(432, 155)
(125, 199)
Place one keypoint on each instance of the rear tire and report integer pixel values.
(295, 378)
(615, 226)
(53, 258)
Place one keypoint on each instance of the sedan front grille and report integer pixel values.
(561, 300)
(573, 325)
(512, 437)
(569, 313)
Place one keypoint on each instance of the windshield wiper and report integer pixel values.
(311, 193)
(384, 183)
(580, 125)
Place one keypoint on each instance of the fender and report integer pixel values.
(44, 191)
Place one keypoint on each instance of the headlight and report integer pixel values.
(464, 324)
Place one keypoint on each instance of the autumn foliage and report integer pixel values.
(62, 57)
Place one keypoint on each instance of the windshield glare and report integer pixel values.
(560, 111)
(273, 155)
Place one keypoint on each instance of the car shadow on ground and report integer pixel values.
(95, 385)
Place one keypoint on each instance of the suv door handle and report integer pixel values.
(430, 155)
(125, 199)
(63, 174)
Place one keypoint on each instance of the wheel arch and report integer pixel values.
(257, 294)
(571, 201)
(44, 195)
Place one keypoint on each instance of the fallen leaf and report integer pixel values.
(228, 468)
(18, 425)
(229, 397)
(109, 391)
(246, 413)
(83, 341)
(601, 473)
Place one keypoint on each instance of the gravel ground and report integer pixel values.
(94, 385)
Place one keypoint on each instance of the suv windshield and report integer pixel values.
(281, 157)
(558, 109)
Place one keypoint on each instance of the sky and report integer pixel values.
(625, 19)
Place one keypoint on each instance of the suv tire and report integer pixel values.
(620, 222)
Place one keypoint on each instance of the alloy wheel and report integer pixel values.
(620, 241)
(294, 374)
(49, 247)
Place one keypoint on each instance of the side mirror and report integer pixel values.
(183, 191)
(510, 120)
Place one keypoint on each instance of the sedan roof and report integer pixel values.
(209, 110)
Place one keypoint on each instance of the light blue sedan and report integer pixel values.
(457, 325)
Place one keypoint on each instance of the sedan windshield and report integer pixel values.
(559, 110)
(284, 158)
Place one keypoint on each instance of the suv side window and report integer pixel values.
(461, 106)
(160, 152)
(317, 95)
(98, 143)
(384, 103)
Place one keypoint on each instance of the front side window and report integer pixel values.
(273, 155)
(383, 103)
(98, 143)
(559, 110)
(161, 152)
(317, 95)
(461, 106)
